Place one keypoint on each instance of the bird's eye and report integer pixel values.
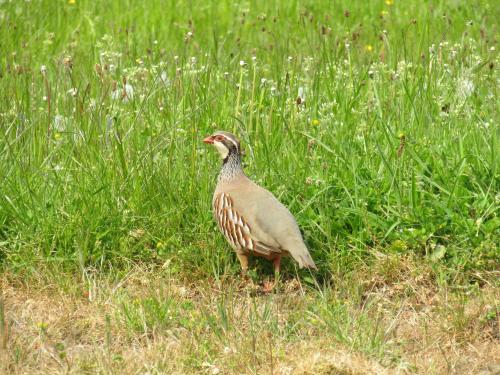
(219, 138)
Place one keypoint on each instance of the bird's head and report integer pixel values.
(226, 143)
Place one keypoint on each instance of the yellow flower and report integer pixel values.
(42, 326)
(369, 48)
(315, 122)
(71, 2)
(389, 2)
(57, 136)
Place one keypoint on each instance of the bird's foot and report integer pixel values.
(268, 286)
(246, 282)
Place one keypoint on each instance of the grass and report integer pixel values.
(389, 161)
(149, 320)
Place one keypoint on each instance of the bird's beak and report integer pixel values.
(209, 140)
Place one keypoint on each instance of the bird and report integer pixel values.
(251, 218)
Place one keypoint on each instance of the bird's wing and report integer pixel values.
(236, 228)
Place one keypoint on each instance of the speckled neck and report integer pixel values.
(231, 167)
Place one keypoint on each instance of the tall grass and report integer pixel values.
(103, 106)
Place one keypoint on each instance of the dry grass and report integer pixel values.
(148, 322)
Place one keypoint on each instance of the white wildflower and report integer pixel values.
(301, 94)
(129, 91)
(60, 123)
(78, 136)
(125, 93)
(465, 87)
(43, 69)
(242, 63)
(164, 78)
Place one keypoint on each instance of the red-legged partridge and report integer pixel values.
(253, 221)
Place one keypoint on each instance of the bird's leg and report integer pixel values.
(243, 258)
(268, 286)
(276, 264)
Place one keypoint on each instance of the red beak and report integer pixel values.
(209, 140)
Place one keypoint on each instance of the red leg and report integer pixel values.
(268, 286)
(276, 264)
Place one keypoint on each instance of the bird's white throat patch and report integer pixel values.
(223, 150)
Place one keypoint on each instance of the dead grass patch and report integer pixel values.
(147, 321)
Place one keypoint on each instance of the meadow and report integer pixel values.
(375, 122)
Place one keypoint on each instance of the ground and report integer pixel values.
(149, 322)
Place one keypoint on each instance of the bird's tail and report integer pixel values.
(303, 258)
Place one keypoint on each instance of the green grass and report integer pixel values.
(394, 153)
(395, 148)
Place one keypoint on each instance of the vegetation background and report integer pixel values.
(375, 122)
